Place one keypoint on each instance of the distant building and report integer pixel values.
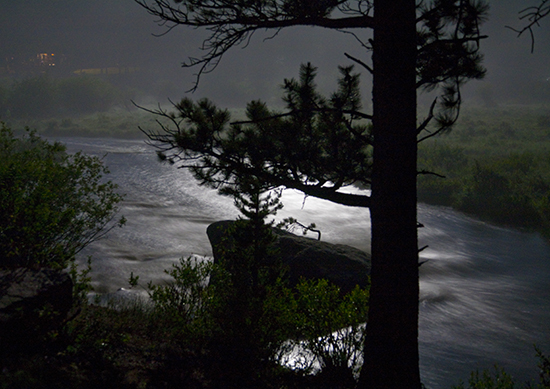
(32, 64)
(48, 60)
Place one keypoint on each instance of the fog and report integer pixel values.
(119, 33)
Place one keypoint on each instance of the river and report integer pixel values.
(484, 290)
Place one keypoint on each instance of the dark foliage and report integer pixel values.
(52, 204)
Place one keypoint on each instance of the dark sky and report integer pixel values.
(119, 32)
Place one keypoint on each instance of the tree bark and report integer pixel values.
(391, 346)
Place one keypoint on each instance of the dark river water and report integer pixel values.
(484, 292)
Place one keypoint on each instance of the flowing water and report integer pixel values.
(485, 291)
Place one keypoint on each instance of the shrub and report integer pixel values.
(52, 204)
(315, 320)
(442, 160)
(544, 369)
(187, 301)
(332, 329)
(42, 97)
(507, 191)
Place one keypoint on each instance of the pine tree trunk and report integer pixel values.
(391, 347)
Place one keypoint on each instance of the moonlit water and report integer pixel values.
(485, 291)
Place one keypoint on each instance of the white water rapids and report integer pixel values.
(485, 291)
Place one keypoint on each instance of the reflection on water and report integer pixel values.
(485, 295)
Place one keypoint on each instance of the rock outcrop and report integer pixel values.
(343, 265)
(32, 302)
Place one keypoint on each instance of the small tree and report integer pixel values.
(237, 309)
(249, 271)
(241, 312)
(52, 204)
(318, 146)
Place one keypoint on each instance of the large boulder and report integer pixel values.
(308, 258)
(32, 302)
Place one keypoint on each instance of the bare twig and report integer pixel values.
(533, 16)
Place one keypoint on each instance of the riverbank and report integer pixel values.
(496, 167)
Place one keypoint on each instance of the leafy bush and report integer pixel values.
(188, 300)
(443, 168)
(508, 191)
(52, 204)
(511, 189)
(332, 329)
(544, 369)
(313, 320)
(442, 158)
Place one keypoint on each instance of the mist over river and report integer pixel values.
(484, 292)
